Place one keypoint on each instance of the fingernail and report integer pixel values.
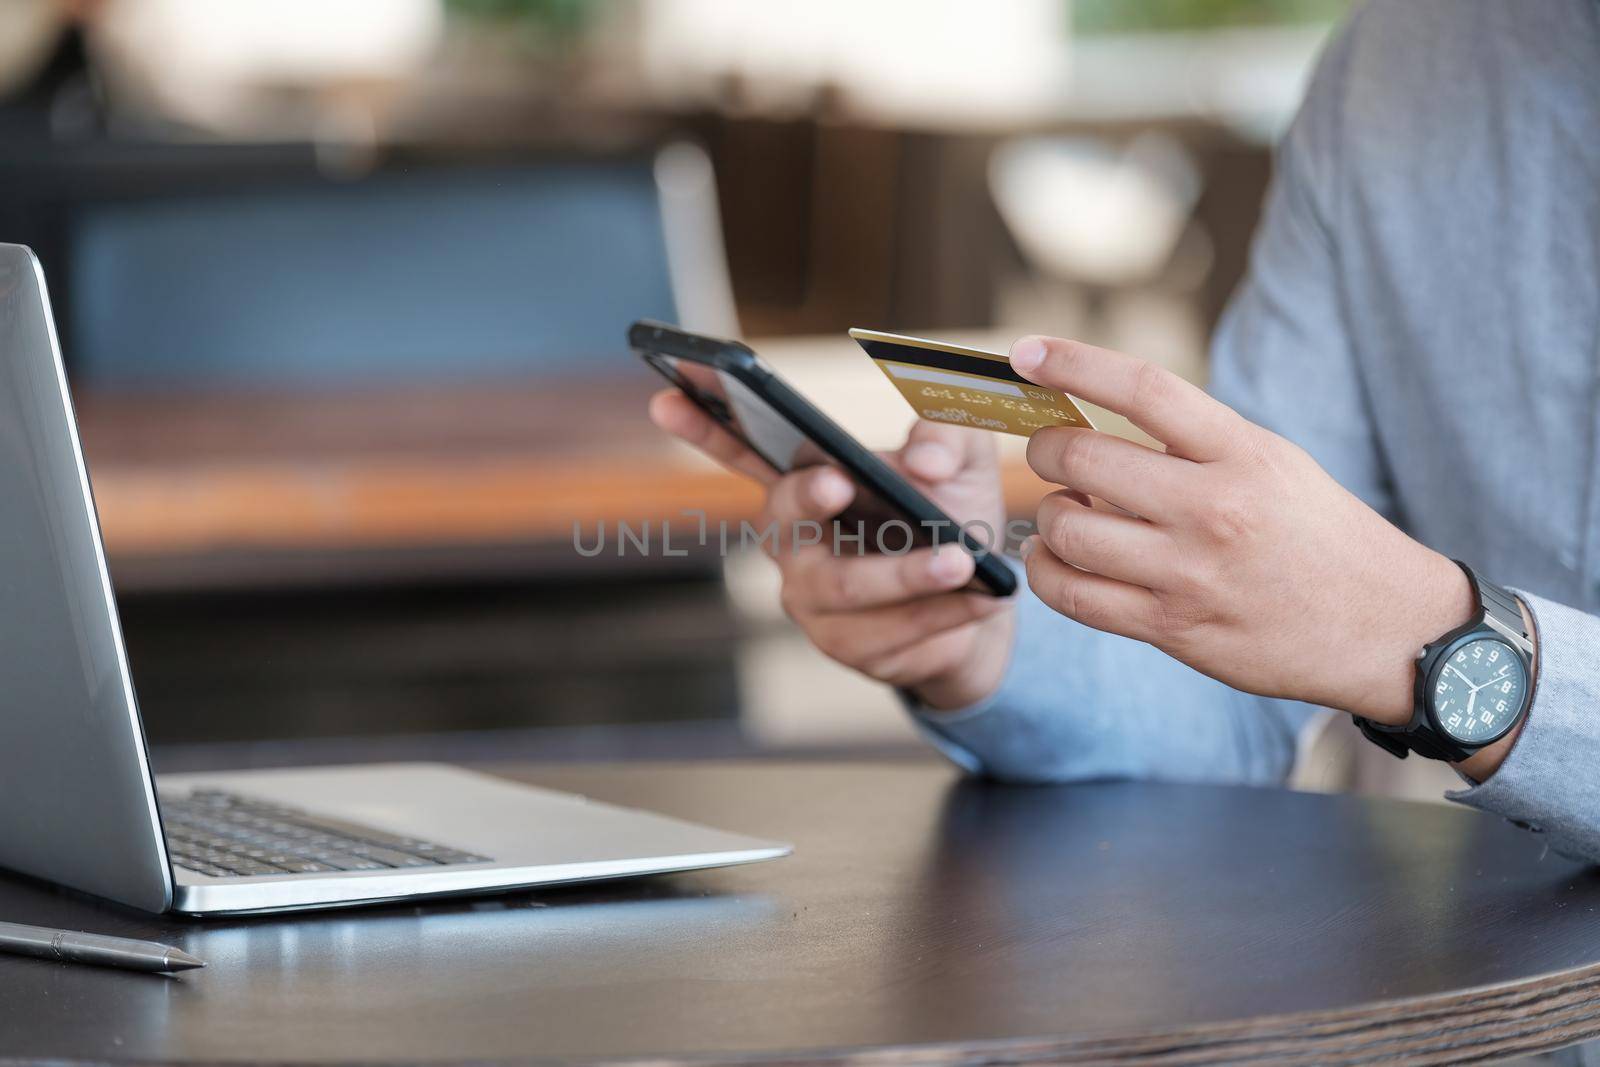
(1027, 354)
(948, 564)
(830, 490)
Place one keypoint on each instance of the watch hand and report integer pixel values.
(1497, 678)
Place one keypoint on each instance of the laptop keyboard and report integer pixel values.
(224, 835)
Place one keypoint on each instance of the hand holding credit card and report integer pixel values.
(967, 386)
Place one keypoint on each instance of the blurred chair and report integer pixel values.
(212, 273)
(697, 255)
(425, 275)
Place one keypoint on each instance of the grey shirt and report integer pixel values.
(1422, 314)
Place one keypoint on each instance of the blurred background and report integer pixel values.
(343, 284)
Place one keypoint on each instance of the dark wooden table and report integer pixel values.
(922, 918)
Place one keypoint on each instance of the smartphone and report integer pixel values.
(730, 383)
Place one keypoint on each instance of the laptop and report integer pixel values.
(80, 807)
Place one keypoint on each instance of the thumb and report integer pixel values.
(937, 452)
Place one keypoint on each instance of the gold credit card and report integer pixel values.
(967, 386)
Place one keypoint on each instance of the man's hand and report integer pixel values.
(902, 619)
(1232, 551)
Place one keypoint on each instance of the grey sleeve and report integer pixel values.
(1282, 356)
(1548, 781)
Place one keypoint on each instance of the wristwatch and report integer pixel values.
(1473, 684)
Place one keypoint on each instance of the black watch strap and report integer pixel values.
(1401, 742)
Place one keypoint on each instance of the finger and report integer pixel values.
(1104, 542)
(1092, 599)
(915, 664)
(1175, 412)
(798, 506)
(1121, 472)
(822, 583)
(682, 417)
(937, 452)
(866, 637)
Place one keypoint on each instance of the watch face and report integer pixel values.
(1478, 690)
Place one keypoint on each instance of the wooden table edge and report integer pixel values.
(1491, 1022)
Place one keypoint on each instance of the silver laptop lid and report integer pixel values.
(77, 805)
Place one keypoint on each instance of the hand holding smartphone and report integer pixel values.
(733, 386)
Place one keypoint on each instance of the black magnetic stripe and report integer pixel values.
(928, 357)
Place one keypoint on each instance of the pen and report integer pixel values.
(70, 946)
